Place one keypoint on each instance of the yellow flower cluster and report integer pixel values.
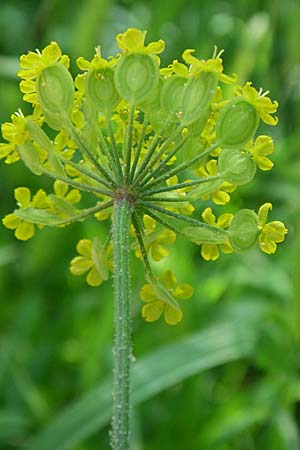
(162, 139)
(157, 302)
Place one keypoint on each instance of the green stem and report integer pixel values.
(128, 142)
(122, 342)
(181, 168)
(139, 147)
(187, 184)
(115, 149)
(164, 162)
(147, 163)
(77, 184)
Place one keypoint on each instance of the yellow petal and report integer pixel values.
(172, 316)
(40, 199)
(83, 64)
(23, 195)
(80, 265)
(189, 58)
(152, 311)
(93, 278)
(224, 220)
(74, 196)
(220, 197)
(11, 221)
(268, 119)
(275, 231)
(183, 291)
(268, 247)
(169, 279)
(60, 188)
(24, 231)
(263, 146)
(263, 213)
(158, 252)
(6, 149)
(149, 223)
(166, 237)
(156, 47)
(147, 294)
(30, 60)
(27, 86)
(51, 54)
(209, 252)
(263, 162)
(84, 248)
(226, 247)
(208, 216)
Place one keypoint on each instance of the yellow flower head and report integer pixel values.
(15, 133)
(210, 252)
(261, 149)
(25, 230)
(93, 260)
(220, 196)
(156, 305)
(156, 240)
(214, 64)
(133, 41)
(32, 65)
(97, 62)
(176, 68)
(272, 232)
(263, 104)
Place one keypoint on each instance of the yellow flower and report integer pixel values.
(272, 232)
(32, 65)
(25, 230)
(263, 105)
(156, 240)
(176, 68)
(210, 252)
(15, 133)
(221, 195)
(61, 189)
(97, 62)
(261, 149)
(214, 64)
(133, 41)
(156, 306)
(89, 261)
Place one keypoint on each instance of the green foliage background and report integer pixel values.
(227, 377)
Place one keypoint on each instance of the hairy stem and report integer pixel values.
(122, 342)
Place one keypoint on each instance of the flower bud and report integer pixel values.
(100, 89)
(236, 123)
(243, 230)
(55, 91)
(236, 166)
(135, 76)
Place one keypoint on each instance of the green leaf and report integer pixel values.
(38, 216)
(219, 344)
(204, 189)
(205, 235)
(13, 423)
(31, 158)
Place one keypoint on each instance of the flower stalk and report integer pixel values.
(122, 325)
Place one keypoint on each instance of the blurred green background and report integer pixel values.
(227, 377)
